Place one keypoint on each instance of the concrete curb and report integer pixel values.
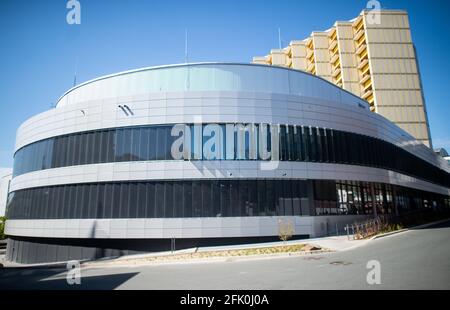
(129, 260)
(408, 229)
(388, 234)
(213, 259)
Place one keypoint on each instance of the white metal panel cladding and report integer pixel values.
(208, 227)
(308, 101)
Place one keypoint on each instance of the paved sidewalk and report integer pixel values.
(327, 245)
(333, 244)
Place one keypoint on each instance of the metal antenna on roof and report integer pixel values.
(279, 38)
(75, 75)
(185, 45)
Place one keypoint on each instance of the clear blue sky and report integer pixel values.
(38, 49)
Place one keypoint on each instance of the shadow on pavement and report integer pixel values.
(55, 279)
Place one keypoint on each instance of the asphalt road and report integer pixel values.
(416, 259)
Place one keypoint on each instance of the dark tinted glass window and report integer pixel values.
(216, 204)
(178, 199)
(127, 144)
(108, 201)
(271, 199)
(159, 199)
(161, 142)
(141, 200)
(116, 201)
(307, 143)
(100, 201)
(207, 203)
(151, 200)
(196, 198)
(103, 147)
(133, 201)
(261, 193)
(124, 200)
(225, 198)
(83, 148)
(90, 139)
(283, 143)
(143, 144)
(168, 200)
(135, 147)
(119, 143)
(154, 142)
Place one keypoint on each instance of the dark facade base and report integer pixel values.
(26, 250)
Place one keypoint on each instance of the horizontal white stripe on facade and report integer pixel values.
(174, 170)
(208, 227)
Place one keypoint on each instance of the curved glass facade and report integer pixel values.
(210, 77)
(296, 143)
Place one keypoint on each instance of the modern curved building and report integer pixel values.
(209, 153)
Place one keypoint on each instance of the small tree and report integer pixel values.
(2, 227)
(285, 229)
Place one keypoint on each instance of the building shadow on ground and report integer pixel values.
(55, 279)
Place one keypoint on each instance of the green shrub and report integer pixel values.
(2, 227)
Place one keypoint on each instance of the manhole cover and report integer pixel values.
(340, 263)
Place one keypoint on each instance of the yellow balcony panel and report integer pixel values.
(333, 44)
(358, 35)
(364, 79)
(332, 33)
(289, 62)
(367, 94)
(363, 64)
(337, 64)
(358, 24)
(334, 36)
(334, 59)
(364, 55)
(336, 72)
(287, 51)
(335, 51)
(365, 70)
(361, 41)
(339, 78)
(367, 86)
(309, 53)
(311, 67)
(361, 49)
